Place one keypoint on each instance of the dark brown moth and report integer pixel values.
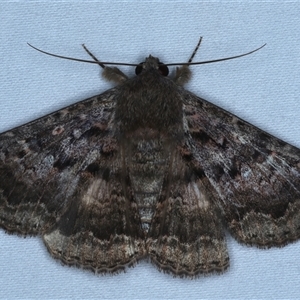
(148, 169)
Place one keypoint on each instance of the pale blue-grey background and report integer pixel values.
(262, 88)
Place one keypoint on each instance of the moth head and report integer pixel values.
(152, 62)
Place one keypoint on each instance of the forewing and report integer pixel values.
(41, 162)
(61, 176)
(255, 176)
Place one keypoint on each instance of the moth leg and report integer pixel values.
(186, 236)
(183, 73)
(114, 74)
(110, 74)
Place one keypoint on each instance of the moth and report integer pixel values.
(148, 169)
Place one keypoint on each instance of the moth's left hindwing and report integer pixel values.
(255, 176)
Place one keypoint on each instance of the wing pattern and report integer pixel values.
(61, 177)
(255, 176)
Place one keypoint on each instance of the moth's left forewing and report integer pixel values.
(41, 162)
(255, 176)
(61, 177)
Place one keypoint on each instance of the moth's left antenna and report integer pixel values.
(95, 61)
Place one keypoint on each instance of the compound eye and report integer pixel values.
(163, 69)
(139, 68)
